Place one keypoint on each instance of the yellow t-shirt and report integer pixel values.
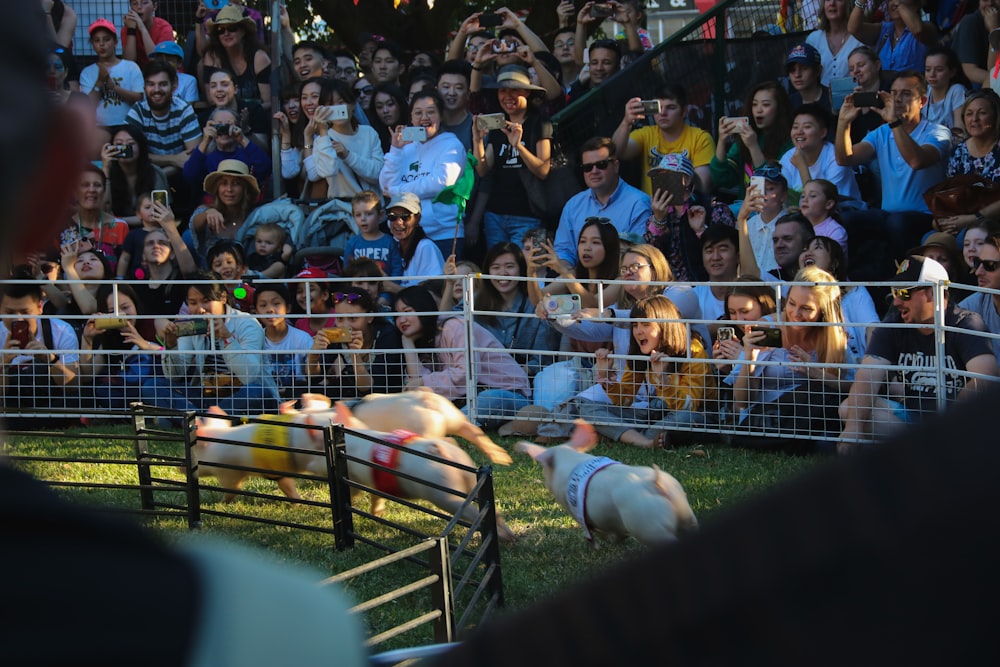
(698, 143)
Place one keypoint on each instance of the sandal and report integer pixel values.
(662, 440)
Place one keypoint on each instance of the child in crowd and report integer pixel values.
(366, 267)
(131, 257)
(271, 251)
(947, 85)
(226, 260)
(819, 206)
(284, 345)
(314, 297)
(456, 286)
(805, 72)
(760, 220)
(371, 241)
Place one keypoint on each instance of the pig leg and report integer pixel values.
(288, 487)
(477, 437)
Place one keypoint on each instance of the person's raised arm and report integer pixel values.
(753, 203)
(165, 217)
(863, 31)
(583, 19)
(64, 35)
(846, 153)
(630, 27)
(926, 33)
(628, 149)
(456, 49)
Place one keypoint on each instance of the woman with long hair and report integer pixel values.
(232, 45)
(765, 136)
(388, 108)
(233, 192)
(421, 256)
(222, 93)
(346, 154)
(91, 227)
(656, 394)
(832, 39)
(129, 170)
(598, 250)
(503, 386)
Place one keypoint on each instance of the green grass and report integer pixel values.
(550, 554)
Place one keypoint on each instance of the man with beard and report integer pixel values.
(882, 400)
(169, 123)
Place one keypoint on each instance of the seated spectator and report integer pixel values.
(203, 15)
(187, 85)
(31, 375)
(388, 111)
(804, 66)
(61, 66)
(607, 196)
(987, 304)
(792, 234)
(856, 304)
(911, 155)
(232, 45)
(818, 204)
(598, 250)
(131, 257)
(113, 84)
(759, 215)
(208, 369)
(942, 248)
(360, 268)
(222, 138)
(970, 38)
(670, 133)
(251, 117)
(387, 63)
(720, 255)
(227, 261)
(883, 400)
(420, 255)
(504, 386)
(866, 68)
(973, 239)
(79, 269)
(130, 173)
(142, 30)
(564, 49)
(813, 156)
(310, 60)
(901, 41)
(788, 398)
(232, 191)
(363, 366)
(169, 123)
(744, 304)
(271, 254)
(604, 58)
(166, 259)
(659, 392)
(91, 225)
(521, 331)
(676, 226)
(284, 346)
(345, 153)
(116, 350)
(947, 86)
(371, 241)
(832, 39)
(312, 294)
(426, 169)
(979, 154)
(764, 137)
(363, 91)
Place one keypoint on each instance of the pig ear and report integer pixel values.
(537, 452)
(346, 417)
(584, 437)
(287, 408)
(315, 402)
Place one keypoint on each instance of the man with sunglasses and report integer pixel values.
(607, 196)
(882, 400)
(986, 268)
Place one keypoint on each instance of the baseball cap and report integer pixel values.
(804, 53)
(407, 200)
(312, 273)
(169, 49)
(104, 24)
(917, 269)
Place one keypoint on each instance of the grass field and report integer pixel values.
(550, 554)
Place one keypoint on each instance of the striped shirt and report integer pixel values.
(166, 135)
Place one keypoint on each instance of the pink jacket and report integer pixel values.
(495, 368)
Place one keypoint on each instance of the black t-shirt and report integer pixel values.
(916, 351)
(162, 299)
(507, 193)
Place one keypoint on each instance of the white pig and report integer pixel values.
(419, 411)
(610, 498)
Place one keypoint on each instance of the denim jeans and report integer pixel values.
(496, 406)
(506, 228)
(250, 399)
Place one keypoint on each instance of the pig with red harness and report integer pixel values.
(609, 498)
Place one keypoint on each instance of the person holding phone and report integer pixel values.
(130, 173)
(347, 154)
(786, 397)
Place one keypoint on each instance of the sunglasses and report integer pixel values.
(351, 298)
(366, 90)
(770, 172)
(905, 293)
(223, 29)
(631, 269)
(989, 265)
(393, 217)
(600, 164)
(594, 218)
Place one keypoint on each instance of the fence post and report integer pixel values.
(340, 493)
(719, 65)
(193, 491)
(442, 594)
(485, 498)
(142, 456)
(471, 384)
(939, 345)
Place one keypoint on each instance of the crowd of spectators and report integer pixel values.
(434, 164)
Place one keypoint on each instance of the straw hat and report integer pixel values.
(229, 15)
(235, 168)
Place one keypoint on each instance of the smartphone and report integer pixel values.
(160, 197)
(337, 334)
(191, 327)
(651, 107)
(490, 20)
(415, 133)
(562, 304)
(69, 236)
(19, 332)
(124, 151)
(669, 181)
(865, 100)
(741, 121)
(338, 112)
(490, 121)
(105, 323)
(757, 182)
(538, 238)
(772, 336)
(725, 333)
(601, 11)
